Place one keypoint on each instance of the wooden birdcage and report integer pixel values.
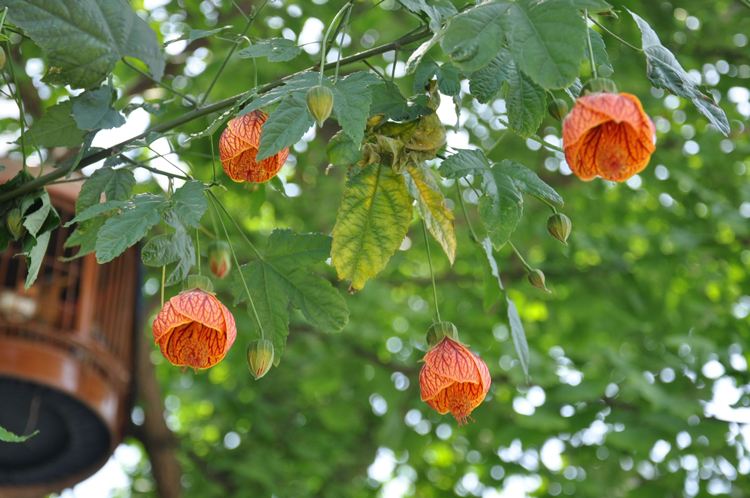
(66, 360)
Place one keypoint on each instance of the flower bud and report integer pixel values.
(599, 85)
(14, 222)
(320, 103)
(536, 278)
(260, 357)
(559, 226)
(440, 330)
(219, 258)
(558, 108)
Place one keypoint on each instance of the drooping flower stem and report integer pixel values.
(594, 72)
(520, 257)
(198, 250)
(324, 43)
(432, 271)
(163, 282)
(237, 262)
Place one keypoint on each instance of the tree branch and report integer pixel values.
(415, 36)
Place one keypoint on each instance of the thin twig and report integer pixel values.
(160, 84)
(615, 36)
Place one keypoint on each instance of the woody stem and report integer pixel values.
(432, 272)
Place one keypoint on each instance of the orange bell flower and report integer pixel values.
(453, 379)
(608, 135)
(238, 147)
(194, 329)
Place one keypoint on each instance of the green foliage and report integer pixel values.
(8, 437)
(56, 128)
(275, 49)
(664, 71)
(526, 101)
(92, 110)
(474, 37)
(285, 126)
(128, 226)
(282, 278)
(83, 39)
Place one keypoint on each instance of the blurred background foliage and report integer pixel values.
(638, 377)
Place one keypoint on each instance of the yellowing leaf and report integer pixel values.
(432, 208)
(372, 221)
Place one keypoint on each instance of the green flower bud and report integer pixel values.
(536, 278)
(558, 109)
(260, 357)
(320, 103)
(219, 258)
(598, 85)
(559, 226)
(440, 330)
(14, 222)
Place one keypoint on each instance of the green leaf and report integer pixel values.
(283, 278)
(486, 82)
(494, 269)
(527, 103)
(285, 126)
(84, 236)
(601, 58)
(115, 184)
(96, 210)
(388, 100)
(474, 37)
(664, 71)
(36, 256)
(547, 40)
(519, 337)
(56, 128)
(182, 245)
(222, 118)
(128, 227)
(275, 49)
(8, 437)
(501, 206)
(464, 162)
(35, 220)
(197, 34)
(159, 251)
(435, 10)
(432, 208)
(190, 203)
(529, 182)
(351, 103)
(92, 110)
(342, 151)
(449, 80)
(83, 39)
(592, 5)
(296, 84)
(372, 221)
(424, 72)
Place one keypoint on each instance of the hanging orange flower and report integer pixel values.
(194, 329)
(453, 379)
(608, 135)
(238, 147)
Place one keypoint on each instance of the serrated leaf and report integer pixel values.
(435, 10)
(486, 82)
(182, 245)
(547, 40)
(351, 103)
(96, 210)
(500, 208)
(664, 71)
(474, 37)
(285, 126)
(84, 236)
(36, 256)
(8, 437)
(526, 101)
(159, 251)
(35, 220)
(601, 58)
(197, 34)
(83, 39)
(519, 336)
(372, 221)
(528, 182)
(128, 227)
(290, 251)
(299, 83)
(464, 162)
(592, 5)
(449, 80)
(432, 208)
(56, 128)
(92, 110)
(388, 100)
(425, 70)
(275, 49)
(115, 184)
(342, 151)
(190, 203)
